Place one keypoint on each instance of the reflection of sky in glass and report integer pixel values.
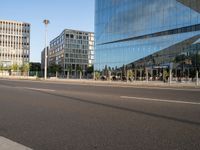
(126, 52)
(117, 19)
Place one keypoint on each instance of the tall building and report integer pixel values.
(154, 34)
(14, 43)
(73, 50)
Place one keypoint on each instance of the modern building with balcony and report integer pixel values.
(147, 37)
(73, 50)
(14, 43)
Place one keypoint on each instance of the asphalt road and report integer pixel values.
(57, 116)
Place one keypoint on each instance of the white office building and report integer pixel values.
(14, 43)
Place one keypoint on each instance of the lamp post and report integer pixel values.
(46, 22)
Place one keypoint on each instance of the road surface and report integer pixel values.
(66, 116)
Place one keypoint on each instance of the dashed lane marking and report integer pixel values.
(38, 89)
(159, 100)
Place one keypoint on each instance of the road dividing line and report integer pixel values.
(37, 89)
(159, 100)
(6, 144)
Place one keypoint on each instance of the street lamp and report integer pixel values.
(46, 22)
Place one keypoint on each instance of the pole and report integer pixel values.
(170, 73)
(197, 76)
(46, 22)
(147, 75)
(45, 67)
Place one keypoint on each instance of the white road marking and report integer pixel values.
(6, 144)
(159, 100)
(38, 89)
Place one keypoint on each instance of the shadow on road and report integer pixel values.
(124, 109)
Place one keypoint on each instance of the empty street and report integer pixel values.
(65, 116)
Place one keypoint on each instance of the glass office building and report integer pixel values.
(153, 34)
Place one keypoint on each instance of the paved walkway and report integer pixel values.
(111, 83)
(129, 84)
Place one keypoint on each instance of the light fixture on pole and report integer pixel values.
(46, 22)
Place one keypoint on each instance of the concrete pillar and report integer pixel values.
(170, 75)
(140, 74)
(197, 77)
(152, 73)
(135, 74)
(176, 75)
(147, 75)
(156, 74)
(127, 76)
(94, 75)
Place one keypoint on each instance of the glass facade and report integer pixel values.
(143, 33)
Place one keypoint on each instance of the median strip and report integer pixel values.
(159, 100)
(6, 144)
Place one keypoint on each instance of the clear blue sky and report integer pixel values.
(71, 14)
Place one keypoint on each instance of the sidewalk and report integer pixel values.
(174, 84)
(149, 84)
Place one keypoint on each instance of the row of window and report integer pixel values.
(78, 61)
(60, 39)
(13, 31)
(75, 46)
(12, 24)
(74, 66)
(13, 37)
(13, 55)
(13, 43)
(77, 51)
(76, 56)
(72, 36)
(75, 41)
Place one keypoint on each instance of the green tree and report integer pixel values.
(14, 67)
(35, 66)
(25, 68)
(130, 74)
(90, 69)
(1, 68)
(80, 70)
(165, 75)
(97, 75)
(55, 69)
(69, 70)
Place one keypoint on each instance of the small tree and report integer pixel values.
(165, 75)
(130, 74)
(14, 68)
(55, 69)
(69, 70)
(80, 70)
(90, 69)
(25, 68)
(1, 68)
(97, 75)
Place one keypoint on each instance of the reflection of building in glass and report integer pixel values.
(143, 34)
(73, 50)
(14, 43)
